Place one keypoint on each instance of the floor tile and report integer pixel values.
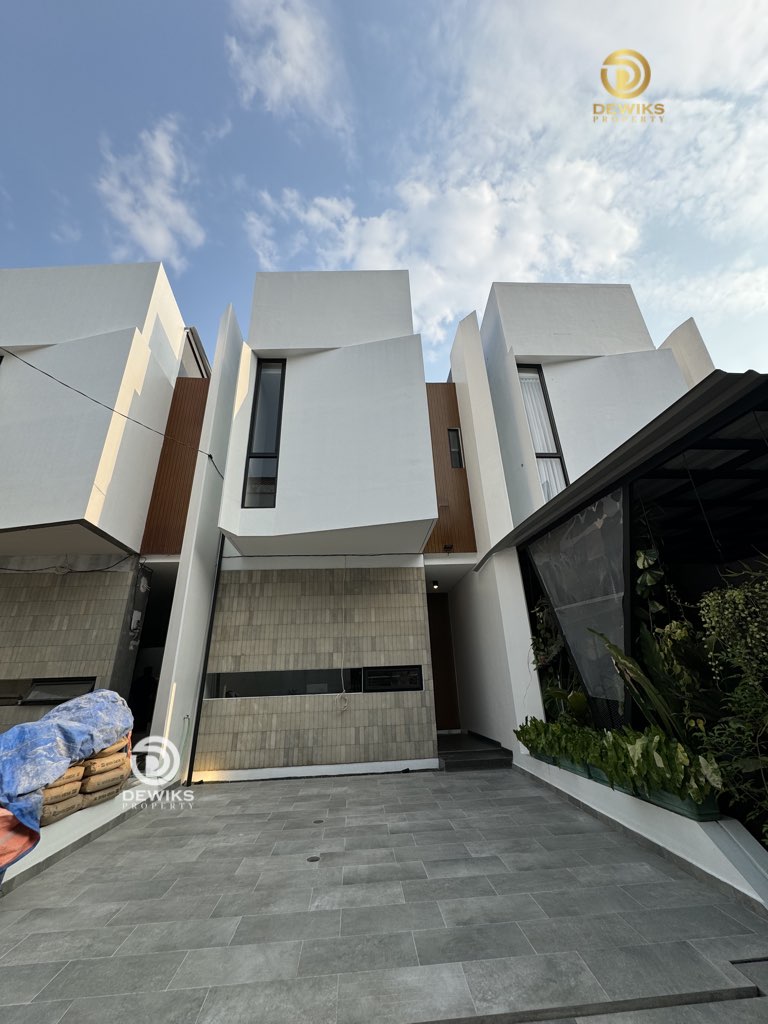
(263, 901)
(316, 924)
(37, 1013)
(549, 982)
(547, 880)
(168, 935)
(299, 1001)
(354, 873)
(702, 922)
(585, 902)
(447, 888)
(490, 910)
(357, 953)
(483, 942)
(733, 947)
(365, 894)
(106, 893)
(456, 868)
(168, 909)
(43, 919)
(402, 917)
(580, 933)
(629, 873)
(440, 851)
(380, 856)
(659, 895)
(157, 1007)
(668, 968)
(113, 976)
(378, 842)
(238, 965)
(223, 865)
(406, 994)
(21, 984)
(42, 947)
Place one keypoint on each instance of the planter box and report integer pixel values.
(543, 757)
(705, 811)
(572, 766)
(598, 775)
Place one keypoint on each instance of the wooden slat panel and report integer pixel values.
(167, 516)
(454, 525)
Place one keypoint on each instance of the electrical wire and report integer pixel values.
(110, 408)
(65, 570)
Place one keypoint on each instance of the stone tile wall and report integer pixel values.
(61, 625)
(315, 619)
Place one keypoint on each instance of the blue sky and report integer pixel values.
(452, 138)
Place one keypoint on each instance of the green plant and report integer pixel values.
(735, 619)
(561, 687)
(648, 761)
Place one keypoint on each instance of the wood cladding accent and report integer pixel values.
(454, 524)
(443, 669)
(167, 516)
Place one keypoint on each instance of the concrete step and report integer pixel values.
(485, 759)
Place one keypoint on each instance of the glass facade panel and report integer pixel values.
(309, 682)
(454, 444)
(260, 483)
(551, 476)
(267, 415)
(537, 413)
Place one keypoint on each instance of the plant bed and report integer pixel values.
(598, 775)
(705, 811)
(572, 766)
(543, 757)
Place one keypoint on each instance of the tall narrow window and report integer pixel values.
(549, 457)
(454, 445)
(264, 448)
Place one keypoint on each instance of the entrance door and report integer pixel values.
(443, 671)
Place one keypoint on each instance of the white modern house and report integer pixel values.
(91, 358)
(307, 544)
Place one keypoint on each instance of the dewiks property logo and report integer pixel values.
(626, 74)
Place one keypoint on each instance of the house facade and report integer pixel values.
(298, 544)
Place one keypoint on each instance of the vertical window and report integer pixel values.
(264, 447)
(549, 457)
(454, 445)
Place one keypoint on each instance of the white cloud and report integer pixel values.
(283, 53)
(143, 192)
(510, 179)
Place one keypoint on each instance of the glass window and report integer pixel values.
(549, 458)
(310, 682)
(454, 445)
(260, 489)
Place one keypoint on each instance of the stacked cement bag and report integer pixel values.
(97, 778)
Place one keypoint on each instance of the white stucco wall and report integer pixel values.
(482, 455)
(355, 468)
(180, 676)
(305, 311)
(688, 348)
(115, 334)
(542, 321)
(496, 682)
(597, 404)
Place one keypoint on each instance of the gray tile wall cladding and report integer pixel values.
(67, 625)
(311, 618)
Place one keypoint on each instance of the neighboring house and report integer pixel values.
(96, 362)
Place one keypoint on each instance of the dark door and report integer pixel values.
(443, 671)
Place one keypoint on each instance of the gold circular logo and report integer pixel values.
(632, 74)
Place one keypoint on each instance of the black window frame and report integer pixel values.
(460, 449)
(558, 452)
(251, 454)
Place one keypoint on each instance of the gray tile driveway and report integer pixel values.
(376, 900)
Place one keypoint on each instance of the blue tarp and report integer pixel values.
(34, 754)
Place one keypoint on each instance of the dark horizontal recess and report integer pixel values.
(312, 682)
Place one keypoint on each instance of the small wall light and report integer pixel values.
(435, 585)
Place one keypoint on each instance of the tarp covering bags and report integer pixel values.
(35, 754)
